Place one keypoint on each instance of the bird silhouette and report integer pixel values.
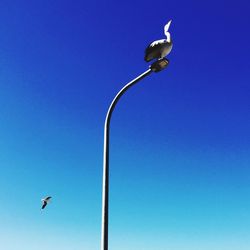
(160, 48)
(45, 201)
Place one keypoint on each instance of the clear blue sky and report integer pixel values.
(180, 152)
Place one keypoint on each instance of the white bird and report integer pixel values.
(160, 48)
(45, 201)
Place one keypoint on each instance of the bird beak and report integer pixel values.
(167, 26)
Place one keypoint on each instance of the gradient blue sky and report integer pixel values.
(180, 153)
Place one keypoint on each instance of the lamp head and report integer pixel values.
(159, 65)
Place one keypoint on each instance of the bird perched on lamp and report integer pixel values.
(160, 48)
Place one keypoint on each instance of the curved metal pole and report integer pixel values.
(105, 188)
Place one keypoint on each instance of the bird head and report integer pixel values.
(166, 28)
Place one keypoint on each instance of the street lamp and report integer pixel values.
(156, 50)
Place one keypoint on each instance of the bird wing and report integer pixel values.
(44, 204)
(153, 44)
(166, 28)
(47, 198)
(152, 51)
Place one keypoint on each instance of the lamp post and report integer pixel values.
(156, 50)
(155, 67)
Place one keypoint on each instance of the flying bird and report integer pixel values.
(45, 201)
(160, 48)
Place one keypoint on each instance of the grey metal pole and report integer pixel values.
(157, 66)
(105, 188)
